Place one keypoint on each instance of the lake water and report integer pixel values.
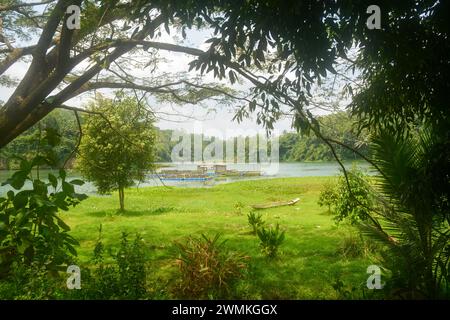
(294, 169)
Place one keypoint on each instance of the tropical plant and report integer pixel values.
(255, 221)
(31, 231)
(270, 240)
(411, 217)
(118, 148)
(207, 268)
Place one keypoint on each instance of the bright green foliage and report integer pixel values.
(207, 268)
(31, 232)
(271, 238)
(255, 221)
(328, 196)
(117, 149)
(353, 204)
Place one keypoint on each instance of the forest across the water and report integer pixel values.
(293, 146)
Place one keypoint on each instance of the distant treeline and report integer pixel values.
(293, 146)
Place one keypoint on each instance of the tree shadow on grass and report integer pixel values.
(131, 213)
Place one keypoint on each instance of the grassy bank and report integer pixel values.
(309, 261)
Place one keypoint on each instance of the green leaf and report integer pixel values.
(62, 174)
(68, 188)
(21, 200)
(63, 225)
(53, 180)
(18, 179)
(25, 165)
(71, 250)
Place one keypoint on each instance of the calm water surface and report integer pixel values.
(294, 169)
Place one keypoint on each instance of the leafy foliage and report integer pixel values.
(26, 144)
(117, 149)
(413, 213)
(207, 268)
(328, 196)
(31, 282)
(270, 240)
(31, 232)
(126, 278)
(356, 203)
(338, 126)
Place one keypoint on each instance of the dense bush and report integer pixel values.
(352, 204)
(207, 269)
(124, 278)
(32, 282)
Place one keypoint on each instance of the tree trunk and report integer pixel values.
(122, 199)
(14, 121)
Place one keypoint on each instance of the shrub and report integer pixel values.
(354, 206)
(328, 195)
(31, 232)
(125, 278)
(207, 268)
(31, 282)
(351, 247)
(255, 221)
(271, 239)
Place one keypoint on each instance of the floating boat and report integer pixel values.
(276, 204)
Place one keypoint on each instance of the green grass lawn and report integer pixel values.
(306, 268)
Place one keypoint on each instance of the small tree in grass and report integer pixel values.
(117, 148)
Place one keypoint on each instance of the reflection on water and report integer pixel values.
(294, 169)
